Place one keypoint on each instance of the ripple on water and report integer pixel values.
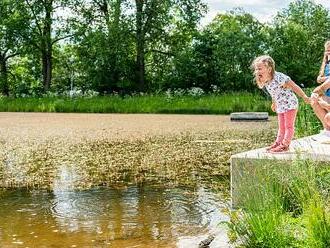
(143, 214)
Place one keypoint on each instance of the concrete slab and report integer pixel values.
(249, 116)
(244, 164)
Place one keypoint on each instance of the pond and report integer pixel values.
(69, 185)
(133, 216)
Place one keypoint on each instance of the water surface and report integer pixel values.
(134, 216)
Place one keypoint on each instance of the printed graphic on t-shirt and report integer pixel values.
(284, 98)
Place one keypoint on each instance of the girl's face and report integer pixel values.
(262, 72)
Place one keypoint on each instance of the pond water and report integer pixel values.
(64, 155)
(132, 216)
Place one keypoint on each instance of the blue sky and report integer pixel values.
(263, 10)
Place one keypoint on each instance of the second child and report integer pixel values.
(320, 99)
(284, 101)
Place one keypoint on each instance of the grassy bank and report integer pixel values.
(289, 209)
(307, 123)
(205, 104)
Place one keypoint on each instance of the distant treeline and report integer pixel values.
(127, 46)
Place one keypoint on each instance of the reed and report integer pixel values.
(289, 209)
(307, 122)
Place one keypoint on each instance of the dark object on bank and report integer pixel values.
(206, 242)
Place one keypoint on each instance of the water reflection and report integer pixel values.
(136, 216)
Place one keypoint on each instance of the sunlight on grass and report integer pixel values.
(285, 205)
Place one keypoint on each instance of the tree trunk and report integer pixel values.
(47, 67)
(140, 43)
(4, 75)
(113, 25)
(116, 28)
(47, 47)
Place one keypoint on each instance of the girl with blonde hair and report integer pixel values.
(321, 94)
(284, 101)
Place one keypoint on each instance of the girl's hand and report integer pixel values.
(314, 95)
(273, 107)
(307, 100)
(314, 98)
(321, 79)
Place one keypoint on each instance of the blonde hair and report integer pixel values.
(321, 73)
(268, 62)
(327, 43)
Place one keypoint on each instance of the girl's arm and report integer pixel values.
(323, 87)
(296, 89)
(321, 78)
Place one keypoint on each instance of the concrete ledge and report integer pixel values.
(249, 116)
(243, 165)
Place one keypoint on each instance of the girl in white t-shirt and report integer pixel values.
(284, 101)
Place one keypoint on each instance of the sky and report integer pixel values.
(263, 10)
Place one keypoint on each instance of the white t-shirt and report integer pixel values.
(284, 98)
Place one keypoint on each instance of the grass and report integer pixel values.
(206, 104)
(306, 124)
(289, 209)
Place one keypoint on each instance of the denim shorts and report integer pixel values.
(327, 92)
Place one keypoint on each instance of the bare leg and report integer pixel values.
(321, 114)
(327, 121)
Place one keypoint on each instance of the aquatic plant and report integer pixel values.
(186, 159)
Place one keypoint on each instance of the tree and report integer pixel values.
(223, 53)
(12, 26)
(129, 43)
(158, 25)
(44, 34)
(104, 39)
(297, 39)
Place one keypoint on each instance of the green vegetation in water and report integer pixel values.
(186, 104)
(289, 208)
(183, 160)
